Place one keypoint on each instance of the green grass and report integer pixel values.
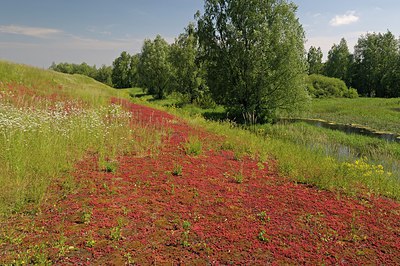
(376, 113)
(43, 135)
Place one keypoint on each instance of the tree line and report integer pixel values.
(373, 69)
(249, 56)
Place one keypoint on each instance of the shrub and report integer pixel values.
(320, 86)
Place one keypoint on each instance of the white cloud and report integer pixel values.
(346, 19)
(29, 31)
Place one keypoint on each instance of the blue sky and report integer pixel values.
(97, 31)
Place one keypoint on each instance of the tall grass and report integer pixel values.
(52, 126)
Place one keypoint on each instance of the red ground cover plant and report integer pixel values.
(218, 210)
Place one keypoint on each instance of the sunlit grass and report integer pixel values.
(376, 113)
(49, 121)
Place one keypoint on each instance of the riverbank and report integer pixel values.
(382, 115)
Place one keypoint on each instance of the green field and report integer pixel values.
(376, 113)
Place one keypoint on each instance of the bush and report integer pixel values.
(320, 86)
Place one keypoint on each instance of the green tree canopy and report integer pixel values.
(339, 62)
(187, 69)
(254, 53)
(155, 68)
(314, 59)
(133, 70)
(376, 64)
(121, 71)
(104, 74)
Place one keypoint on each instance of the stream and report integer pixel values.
(347, 128)
(344, 152)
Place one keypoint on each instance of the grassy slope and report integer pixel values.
(376, 113)
(48, 121)
(76, 86)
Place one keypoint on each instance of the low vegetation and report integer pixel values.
(320, 86)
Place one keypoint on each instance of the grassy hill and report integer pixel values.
(49, 121)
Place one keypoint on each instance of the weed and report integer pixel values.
(263, 216)
(115, 233)
(86, 216)
(90, 243)
(193, 146)
(263, 237)
(186, 225)
(125, 210)
(61, 246)
(39, 256)
(238, 178)
(177, 171)
(129, 259)
(109, 166)
(185, 235)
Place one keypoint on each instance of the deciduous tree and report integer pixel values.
(376, 58)
(155, 68)
(121, 71)
(254, 53)
(338, 63)
(187, 69)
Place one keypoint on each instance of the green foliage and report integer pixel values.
(103, 74)
(262, 236)
(263, 216)
(339, 62)
(109, 166)
(86, 216)
(238, 177)
(188, 72)
(121, 72)
(155, 70)
(177, 171)
(185, 235)
(193, 146)
(115, 233)
(314, 59)
(320, 87)
(253, 52)
(377, 64)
